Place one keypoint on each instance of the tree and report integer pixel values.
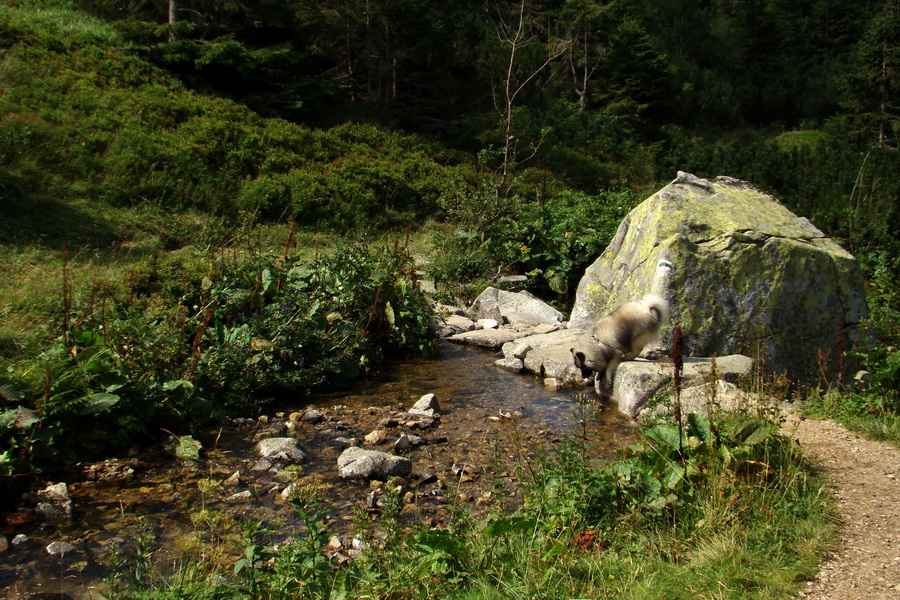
(872, 88)
(173, 18)
(584, 23)
(517, 35)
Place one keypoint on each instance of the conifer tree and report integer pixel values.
(872, 88)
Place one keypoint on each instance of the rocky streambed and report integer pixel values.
(488, 424)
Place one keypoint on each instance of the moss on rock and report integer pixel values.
(742, 273)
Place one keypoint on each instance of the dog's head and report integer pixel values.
(580, 358)
(588, 356)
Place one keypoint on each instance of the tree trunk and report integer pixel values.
(173, 18)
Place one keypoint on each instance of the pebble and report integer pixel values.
(59, 548)
(245, 495)
(375, 437)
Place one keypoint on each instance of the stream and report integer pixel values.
(491, 423)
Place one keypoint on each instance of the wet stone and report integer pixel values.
(357, 463)
(54, 513)
(313, 416)
(263, 464)
(402, 444)
(60, 548)
(510, 364)
(376, 437)
(282, 451)
(426, 406)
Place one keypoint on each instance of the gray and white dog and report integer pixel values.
(617, 337)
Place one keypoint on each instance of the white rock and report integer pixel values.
(283, 451)
(59, 548)
(358, 463)
(426, 406)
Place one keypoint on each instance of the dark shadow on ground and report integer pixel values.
(33, 219)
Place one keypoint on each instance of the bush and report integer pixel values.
(91, 121)
(128, 363)
(552, 240)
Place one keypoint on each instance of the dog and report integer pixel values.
(617, 337)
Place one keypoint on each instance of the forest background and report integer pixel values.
(152, 155)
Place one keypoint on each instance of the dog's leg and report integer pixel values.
(600, 386)
(607, 378)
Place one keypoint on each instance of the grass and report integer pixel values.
(873, 415)
(732, 533)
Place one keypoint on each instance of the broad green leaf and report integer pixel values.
(19, 418)
(673, 476)
(97, 403)
(188, 448)
(698, 425)
(759, 434)
(87, 338)
(440, 540)
(665, 434)
(507, 525)
(177, 384)
(303, 271)
(389, 313)
(112, 381)
(750, 431)
(266, 279)
(10, 393)
(262, 345)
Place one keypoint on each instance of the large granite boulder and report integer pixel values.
(517, 308)
(743, 275)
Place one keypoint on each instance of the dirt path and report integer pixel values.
(865, 478)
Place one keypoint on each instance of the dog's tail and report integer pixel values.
(657, 304)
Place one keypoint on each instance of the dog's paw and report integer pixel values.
(653, 353)
(601, 388)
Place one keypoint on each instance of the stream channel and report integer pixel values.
(491, 423)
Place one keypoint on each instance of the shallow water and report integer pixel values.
(491, 423)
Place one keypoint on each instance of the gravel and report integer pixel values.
(864, 477)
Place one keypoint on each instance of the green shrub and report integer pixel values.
(552, 240)
(91, 121)
(187, 340)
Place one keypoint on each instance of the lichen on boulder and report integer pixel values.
(742, 274)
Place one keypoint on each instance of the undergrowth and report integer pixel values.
(181, 339)
(728, 508)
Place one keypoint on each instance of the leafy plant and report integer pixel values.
(246, 331)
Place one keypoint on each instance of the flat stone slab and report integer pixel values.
(550, 355)
(637, 380)
(518, 308)
(723, 396)
(488, 338)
